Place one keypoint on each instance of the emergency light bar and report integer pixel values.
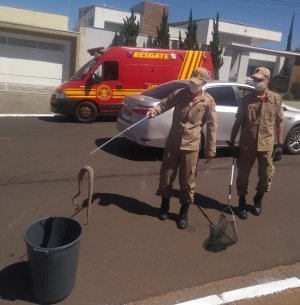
(96, 51)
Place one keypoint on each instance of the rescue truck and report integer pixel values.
(99, 86)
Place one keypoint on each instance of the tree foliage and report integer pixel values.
(163, 37)
(117, 40)
(215, 48)
(190, 41)
(130, 30)
(180, 42)
(286, 69)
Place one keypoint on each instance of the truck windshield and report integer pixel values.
(81, 73)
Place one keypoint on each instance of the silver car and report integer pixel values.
(228, 95)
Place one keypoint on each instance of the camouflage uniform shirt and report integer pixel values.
(188, 119)
(258, 118)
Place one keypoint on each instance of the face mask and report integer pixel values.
(194, 88)
(260, 86)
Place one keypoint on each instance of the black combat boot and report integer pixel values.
(257, 201)
(164, 208)
(242, 213)
(183, 216)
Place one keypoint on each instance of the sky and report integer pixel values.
(273, 15)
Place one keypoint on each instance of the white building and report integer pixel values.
(110, 19)
(238, 62)
(37, 52)
(239, 41)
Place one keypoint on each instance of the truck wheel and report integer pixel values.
(293, 141)
(85, 112)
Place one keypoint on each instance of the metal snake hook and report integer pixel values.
(140, 121)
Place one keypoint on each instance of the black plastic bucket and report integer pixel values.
(53, 250)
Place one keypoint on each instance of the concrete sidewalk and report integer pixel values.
(241, 290)
(24, 103)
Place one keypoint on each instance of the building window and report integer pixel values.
(223, 96)
(51, 46)
(22, 42)
(112, 26)
(32, 44)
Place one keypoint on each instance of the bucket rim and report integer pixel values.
(52, 248)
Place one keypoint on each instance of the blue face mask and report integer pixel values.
(260, 86)
(194, 88)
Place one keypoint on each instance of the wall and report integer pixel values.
(103, 14)
(33, 18)
(92, 38)
(28, 61)
(101, 17)
(151, 13)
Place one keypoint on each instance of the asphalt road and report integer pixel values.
(126, 253)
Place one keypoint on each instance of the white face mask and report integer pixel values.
(194, 88)
(260, 86)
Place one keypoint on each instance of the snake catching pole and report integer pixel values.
(140, 121)
(90, 173)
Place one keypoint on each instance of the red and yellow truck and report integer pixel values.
(99, 86)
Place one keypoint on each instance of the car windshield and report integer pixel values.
(164, 90)
(80, 74)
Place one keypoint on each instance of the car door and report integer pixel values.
(227, 97)
(227, 102)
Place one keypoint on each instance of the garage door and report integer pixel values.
(30, 65)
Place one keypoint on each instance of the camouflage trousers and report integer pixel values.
(245, 163)
(186, 162)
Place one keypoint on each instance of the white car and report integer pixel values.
(228, 95)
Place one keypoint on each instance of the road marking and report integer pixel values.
(17, 219)
(246, 293)
(25, 115)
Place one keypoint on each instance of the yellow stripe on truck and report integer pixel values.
(200, 60)
(185, 65)
(192, 60)
(119, 94)
(196, 63)
(126, 92)
(193, 64)
(75, 93)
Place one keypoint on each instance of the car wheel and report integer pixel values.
(293, 141)
(85, 112)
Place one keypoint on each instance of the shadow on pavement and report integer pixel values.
(129, 204)
(15, 283)
(57, 118)
(137, 207)
(125, 149)
(210, 203)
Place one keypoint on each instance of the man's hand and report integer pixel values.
(234, 150)
(277, 152)
(151, 113)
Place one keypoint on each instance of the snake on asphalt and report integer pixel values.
(90, 173)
